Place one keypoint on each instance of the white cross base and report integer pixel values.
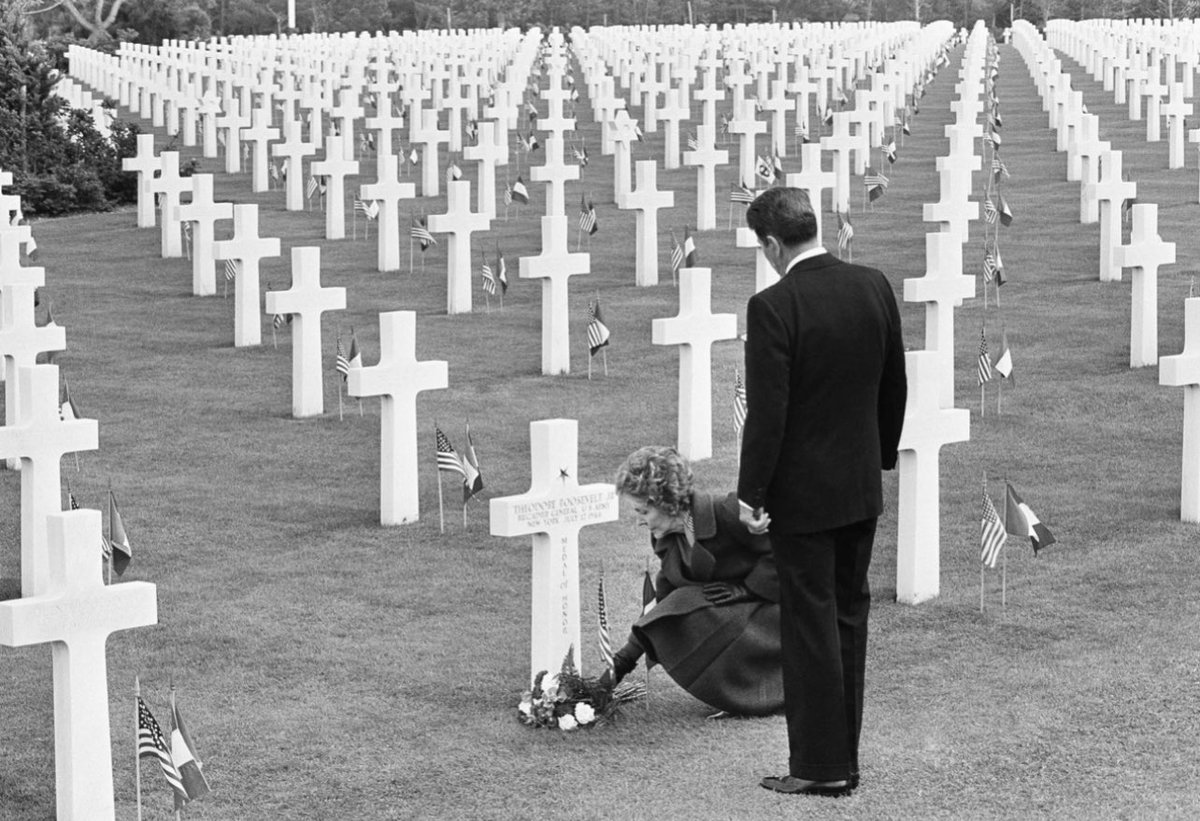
(1183, 371)
(553, 511)
(397, 380)
(77, 612)
(927, 427)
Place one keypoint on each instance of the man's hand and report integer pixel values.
(725, 593)
(756, 520)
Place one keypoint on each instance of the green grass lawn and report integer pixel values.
(330, 668)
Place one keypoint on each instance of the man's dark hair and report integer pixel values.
(786, 213)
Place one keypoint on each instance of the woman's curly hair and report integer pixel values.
(658, 475)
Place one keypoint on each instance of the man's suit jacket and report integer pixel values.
(825, 389)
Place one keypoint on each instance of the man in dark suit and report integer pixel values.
(825, 389)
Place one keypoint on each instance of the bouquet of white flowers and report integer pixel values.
(567, 700)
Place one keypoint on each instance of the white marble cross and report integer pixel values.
(203, 213)
(171, 185)
(1176, 111)
(40, 439)
(76, 612)
(232, 121)
(746, 127)
(1183, 371)
(706, 158)
(145, 164)
(346, 113)
(672, 114)
(553, 511)
(839, 144)
(335, 168)
(21, 339)
(928, 425)
(387, 190)
(1153, 90)
(293, 150)
(385, 124)
(778, 104)
(1111, 192)
(248, 249)
(459, 222)
(429, 137)
(1145, 253)
(1083, 164)
(397, 379)
(260, 135)
(814, 181)
(943, 287)
(555, 265)
(952, 212)
(488, 154)
(306, 300)
(646, 199)
(555, 173)
(623, 135)
(694, 329)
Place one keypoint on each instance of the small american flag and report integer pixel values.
(420, 231)
(989, 264)
(990, 214)
(985, 361)
(876, 183)
(741, 193)
(581, 156)
(447, 457)
(739, 402)
(587, 216)
(153, 744)
(489, 279)
(597, 331)
(693, 144)
(676, 253)
(991, 533)
(232, 266)
(370, 210)
(845, 233)
(341, 363)
(606, 651)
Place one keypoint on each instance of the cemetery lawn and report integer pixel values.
(330, 668)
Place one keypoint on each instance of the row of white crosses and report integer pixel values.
(1135, 64)
(1145, 253)
(1104, 192)
(64, 601)
(931, 420)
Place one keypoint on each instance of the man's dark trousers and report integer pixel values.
(824, 602)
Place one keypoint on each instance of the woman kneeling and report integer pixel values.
(715, 626)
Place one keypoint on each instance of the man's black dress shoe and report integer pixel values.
(791, 785)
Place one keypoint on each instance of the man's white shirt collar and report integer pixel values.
(803, 255)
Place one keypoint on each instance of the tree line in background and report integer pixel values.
(152, 21)
(62, 163)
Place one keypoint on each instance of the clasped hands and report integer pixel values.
(726, 593)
